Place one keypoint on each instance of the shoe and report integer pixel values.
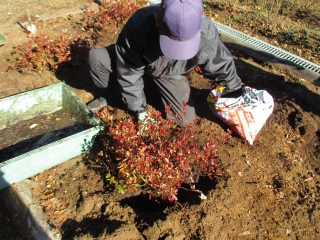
(97, 104)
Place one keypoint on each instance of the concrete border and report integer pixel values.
(27, 216)
(280, 63)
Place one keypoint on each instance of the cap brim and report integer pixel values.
(180, 50)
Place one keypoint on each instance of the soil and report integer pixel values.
(36, 132)
(269, 190)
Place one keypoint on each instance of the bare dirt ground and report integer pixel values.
(270, 190)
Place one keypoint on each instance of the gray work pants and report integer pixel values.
(174, 92)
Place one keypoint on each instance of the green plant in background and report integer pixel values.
(316, 32)
(306, 34)
(281, 22)
(206, 9)
(237, 18)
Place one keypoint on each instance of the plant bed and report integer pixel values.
(37, 132)
(42, 128)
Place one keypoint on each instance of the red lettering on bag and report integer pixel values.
(237, 125)
(249, 117)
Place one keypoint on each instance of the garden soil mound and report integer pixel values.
(269, 190)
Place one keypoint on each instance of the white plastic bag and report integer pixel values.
(245, 115)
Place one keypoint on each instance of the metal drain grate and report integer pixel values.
(267, 47)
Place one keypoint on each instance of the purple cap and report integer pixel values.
(180, 28)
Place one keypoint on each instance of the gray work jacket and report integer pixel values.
(138, 53)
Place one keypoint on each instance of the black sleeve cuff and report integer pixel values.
(234, 94)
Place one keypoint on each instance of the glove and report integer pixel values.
(144, 121)
(142, 117)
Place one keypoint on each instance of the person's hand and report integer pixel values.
(144, 122)
(221, 92)
(142, 117)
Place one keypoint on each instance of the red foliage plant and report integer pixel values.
(46, 53)
(110, 12)
(159, 158)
